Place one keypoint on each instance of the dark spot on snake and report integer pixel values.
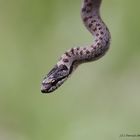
(65, 60)
(97, 34)
(85, 19)
(89, 4)
(87, 51)
(83, 9)
(81, 52)
(90, 25)
(63, 67)
(107, 42)
(95, 29)
(97, 24)
(100, 38)
(102, 33)
(97, 55)
(72, 51)
(84, 48)
(94, 47)
(67, 54)
(78, 48)
(88, 11)
(77, 53)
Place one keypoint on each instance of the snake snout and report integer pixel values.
(45, 88)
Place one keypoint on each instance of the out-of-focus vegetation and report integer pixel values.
(100, 101)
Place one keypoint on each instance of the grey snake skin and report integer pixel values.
(90, 13)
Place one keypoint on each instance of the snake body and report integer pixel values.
(90, 13)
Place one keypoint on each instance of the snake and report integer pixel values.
(72, 58)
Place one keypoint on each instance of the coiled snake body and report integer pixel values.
(68, 62)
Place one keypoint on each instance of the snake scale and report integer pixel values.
(90, 13)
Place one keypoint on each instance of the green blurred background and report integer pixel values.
(100, 101)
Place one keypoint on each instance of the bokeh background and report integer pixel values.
(100, 101)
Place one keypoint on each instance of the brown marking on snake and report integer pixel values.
(81, 52)
(89, 4)
(84, 9)
(72, 51)
(95, 29)
(90, 25)
(87, 52)
(77, 53)
(97, 34)
(102, 32)
(88, 11)
(100, 38)
(97, 24)
(78, 48)
(67, 54)
(65, 60)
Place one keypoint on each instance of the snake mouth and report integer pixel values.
(45, 88)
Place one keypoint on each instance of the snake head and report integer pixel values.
(54, 79)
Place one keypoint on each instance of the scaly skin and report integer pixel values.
(69, 61)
